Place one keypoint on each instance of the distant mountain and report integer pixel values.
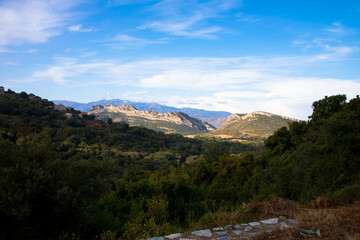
(167, 122)
(215, 118)
(256, 124)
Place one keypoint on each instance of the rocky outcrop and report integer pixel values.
(255, 124)
(253, 116)
(132, 115)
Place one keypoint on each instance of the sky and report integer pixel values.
(239, 56)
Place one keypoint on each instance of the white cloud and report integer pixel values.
(33, 21)
(79, 28)
(332, 52)
(286, 96)
(188, 18)
(201, 79)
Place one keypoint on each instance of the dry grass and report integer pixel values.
(274, 208)
(341, 222)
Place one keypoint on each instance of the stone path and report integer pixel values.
(242, 231)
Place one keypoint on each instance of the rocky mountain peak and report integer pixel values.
(127, 107)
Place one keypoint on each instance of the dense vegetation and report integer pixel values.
(57, 167)
(79, 178)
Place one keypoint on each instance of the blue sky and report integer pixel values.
(234, 55)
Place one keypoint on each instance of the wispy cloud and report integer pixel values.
(79, 28)
(299, 42)
(188, 18)
(33, 21)
(243, 17)
(329, 43)
(183, 29)
(340, 29)
(332, 49)
(124, 41)
(127, 2)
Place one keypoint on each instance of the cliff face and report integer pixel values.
(152, 119)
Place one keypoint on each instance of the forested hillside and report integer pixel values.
(56, 166)
(76, 178)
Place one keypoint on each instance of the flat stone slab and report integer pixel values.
(218, 229)
(173, 236)
(270, 221)
(253, 224)
(223, 238)
(237, 232)
(203, 233)
(237, 227)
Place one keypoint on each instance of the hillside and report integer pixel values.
(256, 124)
(166, 122)
(57, 164)
(215, 118)
(64, 175)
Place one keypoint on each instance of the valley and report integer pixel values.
(67, 175)
(254, 126)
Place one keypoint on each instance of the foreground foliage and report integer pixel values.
(80, 178)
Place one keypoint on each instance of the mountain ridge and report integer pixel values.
(215, 118)
(175, 121)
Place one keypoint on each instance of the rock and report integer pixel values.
(218, 229)
(229, 227)
(284, 225)
(254, 233)
(270, 221)
(175, 235)
(223, 238)
(247, 229)
(237, 232)
(203, 233)
(242, 231)
(254, 224)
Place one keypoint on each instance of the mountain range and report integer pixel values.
(184, 120)
(215, 118)
(176, 122)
